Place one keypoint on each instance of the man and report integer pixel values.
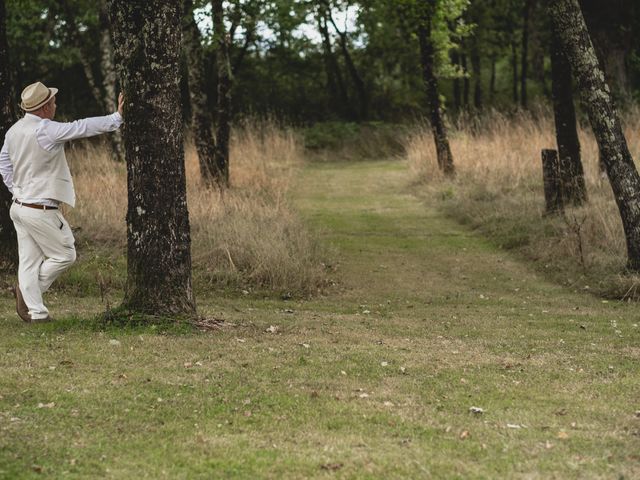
(34, 168)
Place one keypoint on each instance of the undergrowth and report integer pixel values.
(498, 190)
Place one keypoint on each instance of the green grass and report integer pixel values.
(374, 379)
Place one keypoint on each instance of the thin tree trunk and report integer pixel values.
(109, 79)
(356, 78)
(514, 67)
(571, 171)
(201, 118)
(570, 27)
(147, 48)
(427, 54)
(457, 94)
(335, 82)
(528, 4)
(77, 41)
(477, 74)
(8, 243)
(225, 81)
(465, 80)
(611, 27)
(492, 82)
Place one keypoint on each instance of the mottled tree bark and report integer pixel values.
(201, 118)
(571, 172)
(223, 110)
(597, 101)
(109, 79)
(8, 243)
(436, 114)
(147, 48)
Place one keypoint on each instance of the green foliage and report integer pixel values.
(354, 141)
(281, 65)
(47, 40)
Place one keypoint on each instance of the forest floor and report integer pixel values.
(376, 379)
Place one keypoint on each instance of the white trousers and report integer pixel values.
(46, 248)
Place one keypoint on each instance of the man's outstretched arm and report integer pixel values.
(52, 134)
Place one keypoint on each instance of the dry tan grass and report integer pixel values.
(248, 235)
(499, 188)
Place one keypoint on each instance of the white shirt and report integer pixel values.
(51, 135)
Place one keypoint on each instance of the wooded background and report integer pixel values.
(317, 60)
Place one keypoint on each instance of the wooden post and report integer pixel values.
(552, 182)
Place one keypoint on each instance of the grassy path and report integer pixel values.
(375, 380)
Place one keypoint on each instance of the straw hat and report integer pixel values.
(35, 96)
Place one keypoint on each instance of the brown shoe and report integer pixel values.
(21, 307)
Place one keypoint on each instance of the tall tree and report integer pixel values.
(356, 77)
(147, 48)
(610, 27)
(457, 93)
(222, 42)
(427, 10)
(572, 186)
(109, 78)
(201, 118)
(569, 25)
(526, 14)
(8, 245)
(514, 68)
(477, 74)
(335, 82)
(465, 78)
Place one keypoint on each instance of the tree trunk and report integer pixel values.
(465, 80)
(457, 94)
(335, 82)
(147, 48)
(514, 67)
(356, 78)
(109, 79)
(225, 81)
(596, 97)
(477, 74)
(8, 243)
(611, 28)
(201, 118)
(427, 54)
(571, 171)
(552, 182)
(73, 31)
(525, 52)
(492, 82)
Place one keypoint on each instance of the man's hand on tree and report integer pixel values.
(121, 103)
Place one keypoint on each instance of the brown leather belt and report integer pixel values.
(35, 205)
